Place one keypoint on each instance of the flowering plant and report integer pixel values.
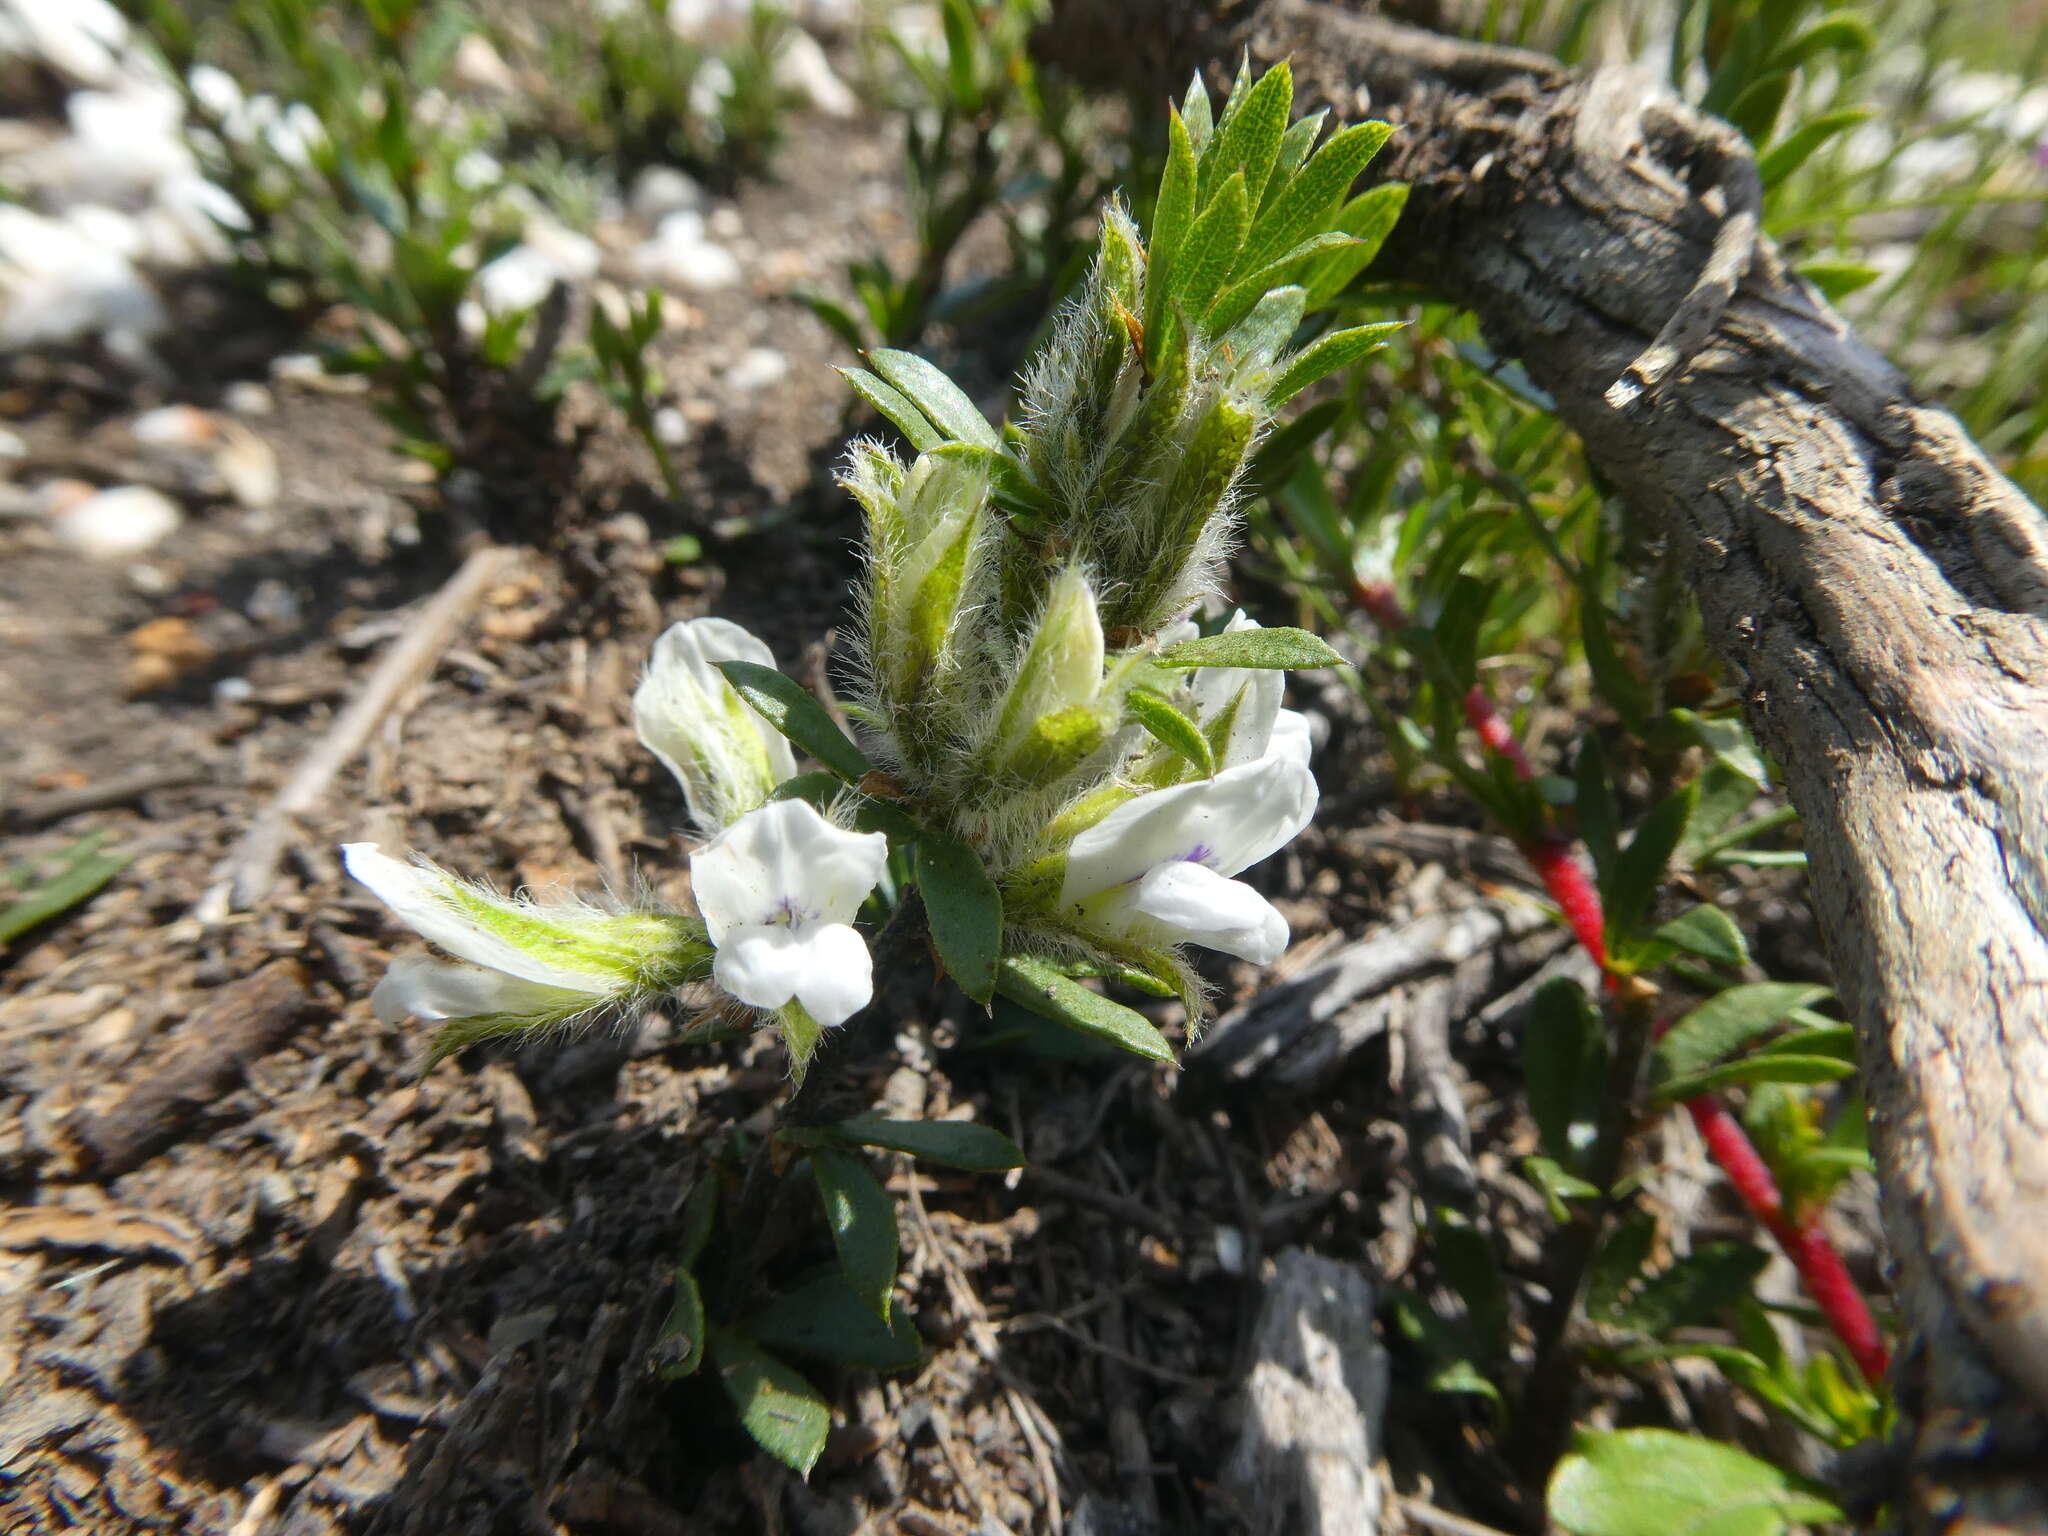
(1064, 769)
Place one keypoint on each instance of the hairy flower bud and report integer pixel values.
(726, 758)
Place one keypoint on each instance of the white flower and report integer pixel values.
(1158, 868)
(726, 757)
(778, 890)
(1260, 726)
(527, 962)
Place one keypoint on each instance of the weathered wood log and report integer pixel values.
(1878, 588)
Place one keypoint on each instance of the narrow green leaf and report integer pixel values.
(891, 402)
(1040, 986)
(826, 1321)
(784, 704)
(1653, 1482)
(679, 1347)
(1707, 932)
(1763, 1067)
(1467, 1261)
(1755, 111)
(1209, 256)
(1618, 1263)
(1564, 1065)
(1248, 285)
(1269, 648)
(1338, 350)
(82, 870)
(1170, 728)
(1593, 801)
(1556, 1186)
(1800, 145)
(956, 1143)
(1641, 867)
(1368, 218)
(783, 1412)
(1727, 1022)
(1258, 338)
(1310, 201)
(863, 1222)
(1249, 140)
(1837, 279)
(1841, 32)
(965, 911)
(928, 388)
(1171, 218)
(699, 1210)
(1294, 148)
(1693, 1290)
(1196, 113)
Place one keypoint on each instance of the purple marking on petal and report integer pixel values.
(1201, 853)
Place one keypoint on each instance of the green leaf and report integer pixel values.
(1799, 146)
(1837, 279)
(1653, 1482)
(82, 870)
(1707, 932)
(863, 1222)
(1468, 1263)
(1618, 1263)
(1564, 1064)
(1207, 259)
(1556, 1186)
(1311, 200)
(1693, 1290)
(1338, 350)
(1267, 648)
(784, 704)
(1248, 139)
(1040, 986)
(1641, 867)
(965, 911)
(1368, 218)
(699, 1210)
(800, 1037)
(1170, 222)
(1842, 32)
(825, 1320)
(1295, 145)
(1248, 284)
(1170, 727)
(783, 1412)
(685, 1327)
(956, 1143)
(1725, 1023)
(1598, 817)
(943, 401)
(1756, 110)
(1763, 1067)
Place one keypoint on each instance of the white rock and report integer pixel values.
(125, 141)
(660, 190)
(671, 427)
(216, 90)
(477, 170)
(115, 524)
(175, 426)
(725, 224)
(758, 368)
(708, 91)
(575, 256)
(12, 446)
(679, 256)
(801, 66)
(247, 465)
(246, 397)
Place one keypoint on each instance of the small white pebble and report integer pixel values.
(114, 524)
(758, 368)
(1230, 1250)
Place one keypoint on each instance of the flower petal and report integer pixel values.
(784, 862)
(1198, 906)
(687, 715)
(761, 965)
(1290, 737)
(1262, 687)
(1226, 823)
(458, 916)
(839, 975)
(421, 987)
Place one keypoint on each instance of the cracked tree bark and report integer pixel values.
(1878, 588)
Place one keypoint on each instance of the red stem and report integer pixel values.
(1805, 1242)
